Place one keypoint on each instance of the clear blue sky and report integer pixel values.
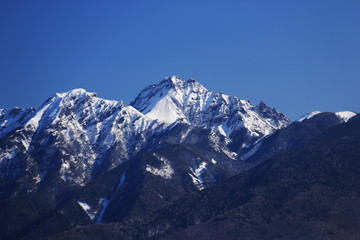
(296, 55)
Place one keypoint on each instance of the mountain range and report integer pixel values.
(170, 165)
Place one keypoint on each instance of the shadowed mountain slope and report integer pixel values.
(311, 192)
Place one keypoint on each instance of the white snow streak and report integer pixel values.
(65, 166)
(104, 202)
(165, 170)
(34, 122)
(196, 175)
(308, 116)
(87, 209)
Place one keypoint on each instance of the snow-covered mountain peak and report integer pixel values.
(88, 109)
(165, 101)
(80, 99)
(345, 115)
(262, 106)
(181, 84)
(80, 96)
(74, 93)
(87, 133)
(187, 101)
(175, 80)
(76, 103)
(70, 97)
(99, 131)
(76, 135)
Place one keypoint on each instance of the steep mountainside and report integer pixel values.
(295, 135)
(176, 138)
(307, 193)
(239, 122)
(72, 137)
(75, 136)
(80, 159)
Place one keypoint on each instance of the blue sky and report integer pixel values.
(297, 56)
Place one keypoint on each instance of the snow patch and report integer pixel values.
(65, 166)
(166, 111)
(345, 115)
(251, 152)
(308, 116)
(165, 170)
(213, 161)
(183, 136)
(37, 179)
(87, 209)
(34, 121)
(196, 175)
(159, 195)
(226, 98)
(221, 131)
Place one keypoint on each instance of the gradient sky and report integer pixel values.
(296, 55)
